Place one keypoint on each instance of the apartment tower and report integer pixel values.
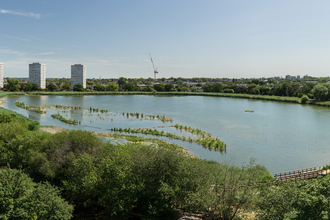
(78, 75)
(1, 75)
(37, 74)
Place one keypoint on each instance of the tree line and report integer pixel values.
(319, 91)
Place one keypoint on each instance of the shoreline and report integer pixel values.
(295, 100)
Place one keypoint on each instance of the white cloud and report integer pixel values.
(46, 53)
(32, 15)
(10, 51)
(15, 38)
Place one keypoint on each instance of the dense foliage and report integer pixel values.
(118, 181)
(306, 199)
(21, 198)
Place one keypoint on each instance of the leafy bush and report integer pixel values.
(305, 199)
(21, 198)
(304, 99)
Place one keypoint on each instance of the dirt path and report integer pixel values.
(52, 129)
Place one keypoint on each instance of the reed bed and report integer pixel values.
(29, 107)
(65, 120)
(204, 139)
(98, 110)
(36, 109)
(147, 117)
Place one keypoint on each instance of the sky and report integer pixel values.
(186, 38)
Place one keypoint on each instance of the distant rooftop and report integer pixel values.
(36, 63)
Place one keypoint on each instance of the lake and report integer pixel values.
(281, 136)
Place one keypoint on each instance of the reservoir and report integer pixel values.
(280, 136)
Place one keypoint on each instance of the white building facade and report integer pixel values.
(78, 75)
(1, 75)
(37, 74)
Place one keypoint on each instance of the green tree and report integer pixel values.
(147, 89)
(193, 89)
(51, 86)
(179, 83)
(99, 87)
(207, 87)
(66, 87)
(129, 87)
(217, 87)
(185, 89)
(253, 89)
(304, 99)
(122, 81)
(305, 199)
(21, 198)
(159, 87)
(12, 85)
(320, 92)
(78, 87)
(35, 87)
(112, 87)
(168, 87)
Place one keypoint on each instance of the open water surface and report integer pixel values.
(281, 136)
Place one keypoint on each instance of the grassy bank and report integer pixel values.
(3, 94)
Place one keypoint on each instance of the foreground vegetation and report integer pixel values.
(75, 175)
(103, 180)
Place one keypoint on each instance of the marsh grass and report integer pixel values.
(204, 139)
(65, 120)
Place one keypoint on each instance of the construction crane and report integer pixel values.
(155, 70)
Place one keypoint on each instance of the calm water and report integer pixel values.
(281, 136)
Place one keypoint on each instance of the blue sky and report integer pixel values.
(187, 38)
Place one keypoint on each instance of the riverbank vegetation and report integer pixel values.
(75, 175)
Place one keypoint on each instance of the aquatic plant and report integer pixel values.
(206, 140)
(65, 120)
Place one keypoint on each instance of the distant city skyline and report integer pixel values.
(188, 38)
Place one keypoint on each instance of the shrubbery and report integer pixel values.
(103, 179)
(21, 198)
(304, 99)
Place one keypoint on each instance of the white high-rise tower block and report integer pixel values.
(1, 75)
(78, 75)
(37, 74)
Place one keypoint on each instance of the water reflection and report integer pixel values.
(282, 136)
